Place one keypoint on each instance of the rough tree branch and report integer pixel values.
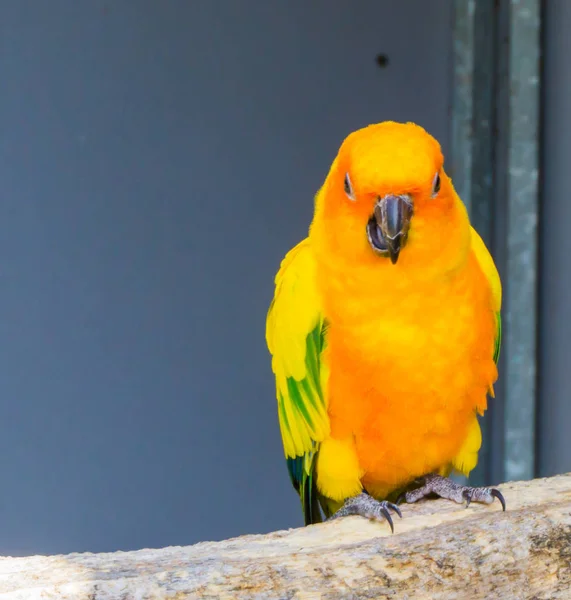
(439, 550)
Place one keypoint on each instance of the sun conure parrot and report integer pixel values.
(384, 332)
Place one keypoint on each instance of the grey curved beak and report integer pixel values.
(393, 215)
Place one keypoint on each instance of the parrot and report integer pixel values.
(384, 333)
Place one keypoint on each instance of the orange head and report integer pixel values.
(388, 199)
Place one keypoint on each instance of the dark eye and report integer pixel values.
(349, 188)
(436, 185)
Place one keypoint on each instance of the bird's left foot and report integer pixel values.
(446, 488)
(366, 506)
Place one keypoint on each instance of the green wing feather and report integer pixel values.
(295, 334)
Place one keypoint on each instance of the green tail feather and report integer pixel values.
(313, 505)
(309, 501)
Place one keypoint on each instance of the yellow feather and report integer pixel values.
(338, 471)
(467, 458)
(488, 267)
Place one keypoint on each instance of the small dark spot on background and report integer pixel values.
(382, 60)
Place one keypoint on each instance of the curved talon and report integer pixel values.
(401, 498)
(385, 512)
(497, 494)
(395, 508)
(468, 495)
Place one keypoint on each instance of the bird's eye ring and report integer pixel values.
(435, 185)
(349, 188)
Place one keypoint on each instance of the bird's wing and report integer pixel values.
(488, 267)
(468, 456)
(295, 334)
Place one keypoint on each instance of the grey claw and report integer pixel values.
(401, 498)
(387, 515)
(395, 508)
(468, 495)
(497, 494)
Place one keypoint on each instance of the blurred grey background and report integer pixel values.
(157, 160)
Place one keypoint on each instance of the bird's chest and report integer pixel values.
(407, 372)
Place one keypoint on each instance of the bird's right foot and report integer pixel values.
(366, 506)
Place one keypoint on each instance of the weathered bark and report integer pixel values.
(439, 550)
